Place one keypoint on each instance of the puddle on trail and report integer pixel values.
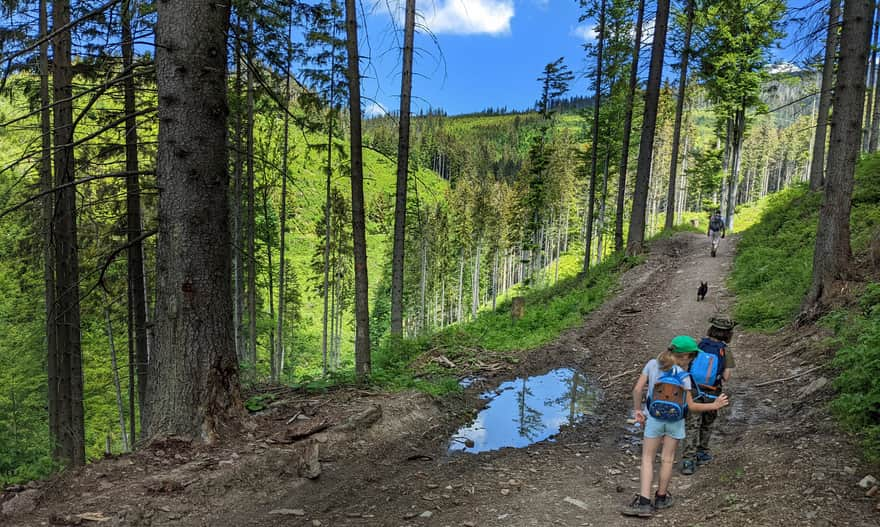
(524, 411)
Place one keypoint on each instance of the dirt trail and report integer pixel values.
(383, 462)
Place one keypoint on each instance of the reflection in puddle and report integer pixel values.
(525, 411)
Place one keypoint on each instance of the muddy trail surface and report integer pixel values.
(354, 457)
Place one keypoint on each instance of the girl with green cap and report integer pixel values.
(672, 362)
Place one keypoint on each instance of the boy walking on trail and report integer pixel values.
(669, 396)
(699, 426)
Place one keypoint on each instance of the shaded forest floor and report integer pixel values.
(361, 458)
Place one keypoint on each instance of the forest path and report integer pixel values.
(780, 459)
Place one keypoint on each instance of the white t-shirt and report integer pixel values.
(652, 371)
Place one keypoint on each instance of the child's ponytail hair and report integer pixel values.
(666, 359)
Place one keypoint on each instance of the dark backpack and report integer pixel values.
(708, 366)
(716, 223)
(668, 400)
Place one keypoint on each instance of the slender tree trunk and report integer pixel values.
(872, 70)
(679, 112)
(739, 124)
(362, 308)
(327, 236)
(251, 209)
(636, 237)
(193, 388)
(875, 118)
(273, 358)
(113, 364)
(67, 315)
(460, 284)
(817, 166)
(600, 242)
(627, 129)
(52, 349)
(397, 258)
(282, 249)
(237, 239)
(135, 252)
(833, 253)
(594, 147)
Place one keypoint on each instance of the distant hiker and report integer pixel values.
(710, 369)
(716, 230)
(702, 290)
(669, 397)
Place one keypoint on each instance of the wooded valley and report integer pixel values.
(194, 205)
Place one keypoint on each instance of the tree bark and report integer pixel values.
(594, 147)
(251, 209)
(817, 165)
(361, 284)
(282, 250)
(135, 253)
(636, 237)
(193, 388)
(397, 258)
(739, 126)
(679, 112)
(67, 314)
(833, 252)
(52, 350)
(237, 241)
(627, 129)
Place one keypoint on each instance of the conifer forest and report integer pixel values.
(197, 210)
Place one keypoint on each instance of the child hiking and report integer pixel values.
(669, 397)
(716, 230)
(710, 370)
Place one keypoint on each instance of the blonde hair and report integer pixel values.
(667, 359)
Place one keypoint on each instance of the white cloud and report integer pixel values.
(374, 109)
(648, 32)
(467, 17)
(584, 32)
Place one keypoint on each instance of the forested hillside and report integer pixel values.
(190, 222)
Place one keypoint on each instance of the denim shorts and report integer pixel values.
(657, 428)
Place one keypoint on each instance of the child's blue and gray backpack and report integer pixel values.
(708, 366)
(668, 401)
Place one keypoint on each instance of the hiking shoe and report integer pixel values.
(663, 502)
(640, 507)
(688, 467)
(703, 457)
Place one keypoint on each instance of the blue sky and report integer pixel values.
(487, 53)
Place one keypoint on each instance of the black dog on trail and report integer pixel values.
(702, 290)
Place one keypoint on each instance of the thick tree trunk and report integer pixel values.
(397, 258)
(193, 383)
(679, 112)
(636, 237)
(594, 147)
(137, 283)
(833, 252)
(817, 165)
(361, 284)
(67, 313)
(627, 129)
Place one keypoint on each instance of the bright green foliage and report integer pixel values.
(858, 402)
(774, 260)
(773, 272)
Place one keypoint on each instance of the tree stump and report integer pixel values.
(518, 307)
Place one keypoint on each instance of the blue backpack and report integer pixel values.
(668, 401)
(708, 366)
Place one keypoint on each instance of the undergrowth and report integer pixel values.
(773, 271)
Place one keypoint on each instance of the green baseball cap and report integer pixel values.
(683, 344)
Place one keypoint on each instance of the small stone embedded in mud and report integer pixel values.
(867, 482)
(426, 514)
(288, 512)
